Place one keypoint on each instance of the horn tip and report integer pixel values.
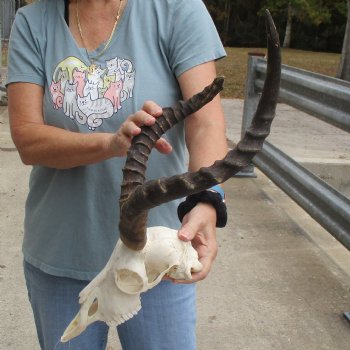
(271, 28)
(219, 83)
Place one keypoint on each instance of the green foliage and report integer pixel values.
(315, 11)
(245, 27)
(317, 24)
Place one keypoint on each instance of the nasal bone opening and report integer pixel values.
(93, 308)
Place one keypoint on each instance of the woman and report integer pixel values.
(80, 72)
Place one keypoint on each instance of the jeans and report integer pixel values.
(165, 322)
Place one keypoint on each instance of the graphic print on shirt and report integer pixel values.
(90, 94)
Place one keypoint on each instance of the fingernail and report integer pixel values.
(157, 112)
(183, 236)
(150, 121)
(136, 131)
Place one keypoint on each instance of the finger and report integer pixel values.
(141, 118)
(196, 277)
(207, 263)
(129, 130)
(163, 146)
(152, 108)
(199, 276)
(207, 249)
(167, 278)
(206, 260)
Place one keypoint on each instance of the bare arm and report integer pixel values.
(206, 142)
(40, 144)
(205, 129)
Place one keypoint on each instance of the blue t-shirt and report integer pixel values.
(71, 219)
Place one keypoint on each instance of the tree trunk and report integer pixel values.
(227, 21)
(288, 34)
(344, 66)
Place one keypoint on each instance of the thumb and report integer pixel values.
(189, 228)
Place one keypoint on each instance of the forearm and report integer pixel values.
(205, 129)
(206, 140)
(40, 144)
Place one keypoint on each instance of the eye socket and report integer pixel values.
(128, 281)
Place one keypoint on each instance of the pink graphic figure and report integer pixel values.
(79, 77)
(57, 96)
(113, 94)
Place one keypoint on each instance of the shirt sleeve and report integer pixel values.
(194, 39)
(25, 62)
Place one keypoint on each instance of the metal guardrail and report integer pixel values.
(325, 98)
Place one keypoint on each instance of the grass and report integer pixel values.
(234, 66)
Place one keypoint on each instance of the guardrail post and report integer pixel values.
(251, 100)
(0, 42)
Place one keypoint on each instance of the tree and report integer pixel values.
(227, 20)
(221, 13)
(344, 66)
(20, 3)
(314, 11)
(312, 25)
(237, 21)
(288, 33)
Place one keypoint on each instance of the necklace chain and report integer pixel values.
(93, 60)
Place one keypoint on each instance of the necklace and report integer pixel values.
(94, 59)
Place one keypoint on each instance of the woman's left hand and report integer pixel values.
(199, 227)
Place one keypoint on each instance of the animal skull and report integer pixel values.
(142, 257)
(114, 295)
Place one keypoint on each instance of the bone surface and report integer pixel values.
(113, 296)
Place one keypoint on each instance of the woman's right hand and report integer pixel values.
(121, 140)
(45, 145)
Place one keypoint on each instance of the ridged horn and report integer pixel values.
(137, 197)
